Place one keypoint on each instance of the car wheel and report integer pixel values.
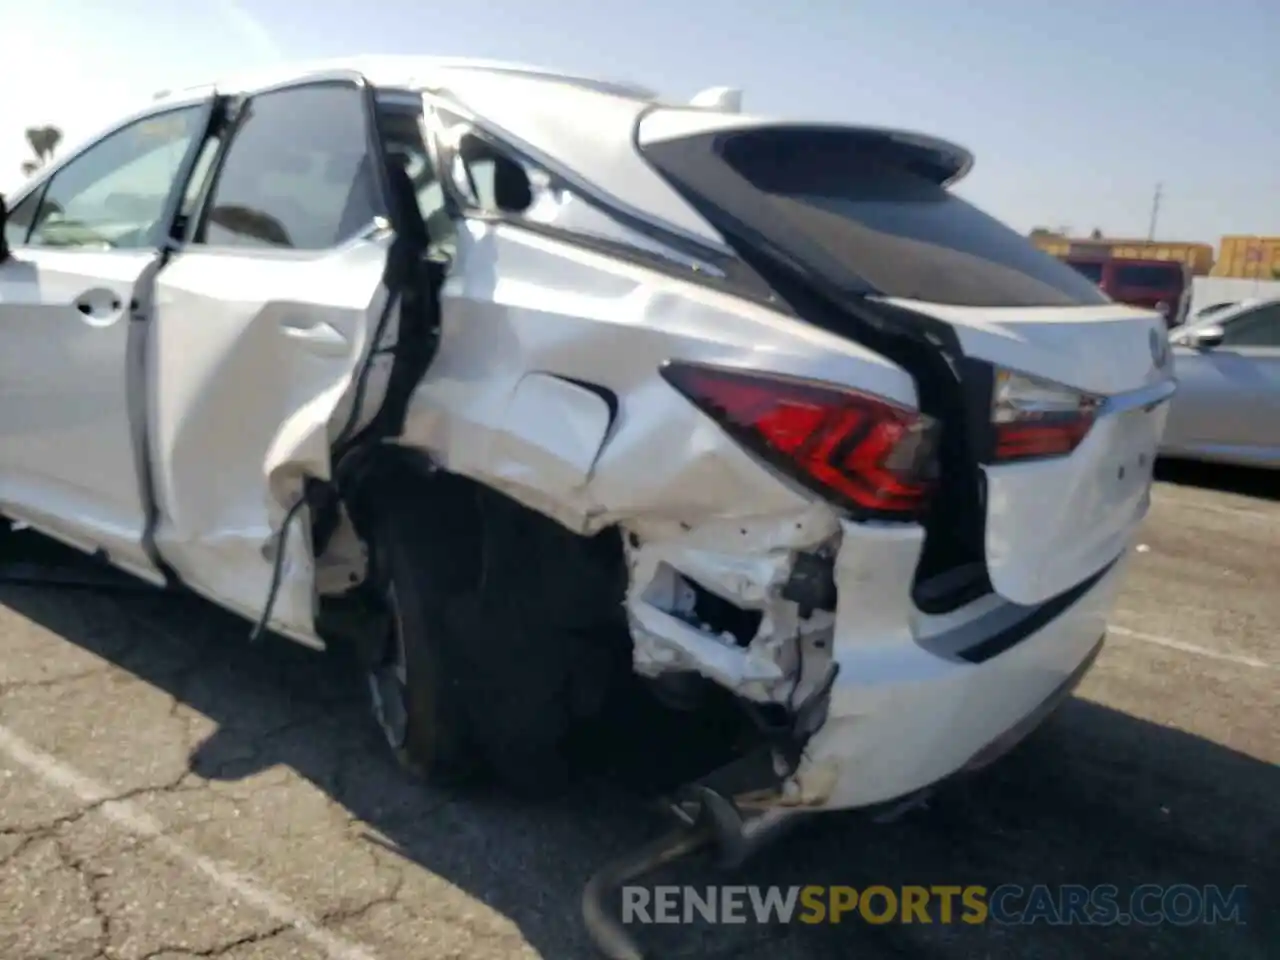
(413, 691)
(477, 675)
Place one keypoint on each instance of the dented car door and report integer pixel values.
(262, 320)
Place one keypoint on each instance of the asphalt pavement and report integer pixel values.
(169, 791)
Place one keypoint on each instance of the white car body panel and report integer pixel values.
(1104, 350)
(66, 460)
(245, 388)
(1087, 505)
(545, 386)
(892, 690)
(695, 500)
(559, 309)
(574, 128)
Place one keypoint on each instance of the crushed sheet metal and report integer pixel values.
(746, 562)
(662, 471)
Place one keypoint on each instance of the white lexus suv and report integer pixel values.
(521, 383)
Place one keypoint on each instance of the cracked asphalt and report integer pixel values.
(169, 791)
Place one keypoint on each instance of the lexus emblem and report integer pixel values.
(1159, 349)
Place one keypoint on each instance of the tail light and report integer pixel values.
(861, 452)
(1034, 419)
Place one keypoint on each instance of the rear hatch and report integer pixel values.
(1051, 396)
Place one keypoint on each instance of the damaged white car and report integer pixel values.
(516, 381)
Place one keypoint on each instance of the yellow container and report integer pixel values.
(1249, 258)
(1197, 256)
(1054, 247)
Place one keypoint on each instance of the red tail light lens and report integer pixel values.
(1034, 419)
(862, 452)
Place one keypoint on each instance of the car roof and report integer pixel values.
(567, 122)
(407, 72)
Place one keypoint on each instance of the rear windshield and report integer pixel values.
(869, 213)
(1093, 270)
(1148, 275)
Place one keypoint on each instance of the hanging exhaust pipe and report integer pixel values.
(707, 820)
(607, 933)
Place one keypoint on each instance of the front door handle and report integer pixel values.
(99, 307)
(321, 337)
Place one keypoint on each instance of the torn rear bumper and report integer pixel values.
(902, 716)
(889, 701)
(738, 836)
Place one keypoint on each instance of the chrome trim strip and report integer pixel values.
(1148, 397)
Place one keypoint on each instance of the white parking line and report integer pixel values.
(1170, 643)
(129, 818)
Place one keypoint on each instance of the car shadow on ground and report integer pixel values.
(1096, 796)
(1245, 481)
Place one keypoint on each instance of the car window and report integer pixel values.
(496, 181)
(113, 195)
(1255, 328)
(479, 164)
(297, 173)
(20, 219)
(402, 139)
(1147, 275)
(200, 173)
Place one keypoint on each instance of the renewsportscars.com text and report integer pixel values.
(1008, 904)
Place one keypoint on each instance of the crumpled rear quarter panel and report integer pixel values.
(528, 323)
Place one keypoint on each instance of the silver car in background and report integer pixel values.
(1228, 405)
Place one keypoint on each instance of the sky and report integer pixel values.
(1075, 110)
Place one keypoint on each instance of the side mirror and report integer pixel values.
(1206, 338)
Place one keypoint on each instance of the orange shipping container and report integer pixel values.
(1249, 258)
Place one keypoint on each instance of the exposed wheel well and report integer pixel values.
(585, 571)
(570, 585)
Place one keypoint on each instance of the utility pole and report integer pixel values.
(1155, 211)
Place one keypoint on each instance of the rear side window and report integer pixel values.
(297, 174)
(872, 212)
(1148, 275)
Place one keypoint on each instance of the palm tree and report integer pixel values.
(44, 142)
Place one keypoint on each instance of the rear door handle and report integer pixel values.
(321, 337)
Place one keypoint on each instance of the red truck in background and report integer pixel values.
(1163, 285)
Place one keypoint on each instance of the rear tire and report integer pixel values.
(414, 693)
(498, 655)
